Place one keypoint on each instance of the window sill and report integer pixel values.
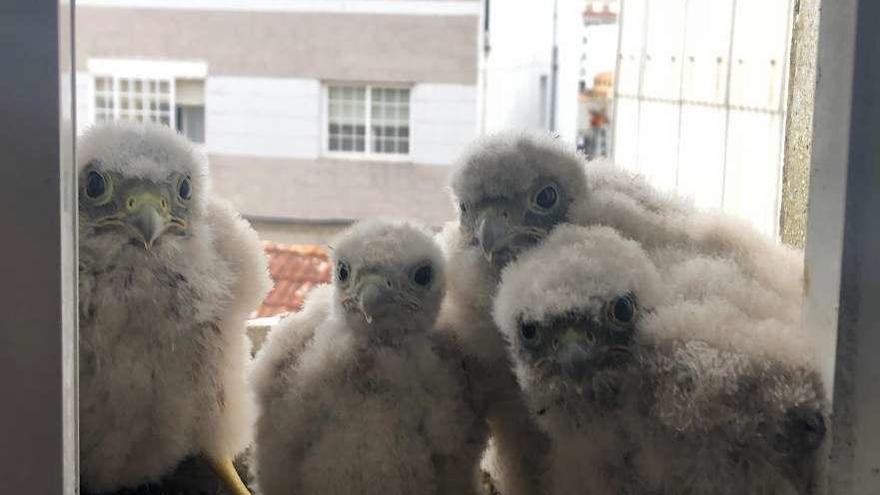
(368, 157)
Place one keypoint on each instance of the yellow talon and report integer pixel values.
(229, 475)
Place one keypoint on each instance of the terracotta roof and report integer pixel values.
(295, 269)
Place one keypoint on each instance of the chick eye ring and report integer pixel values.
(342, 272)
(185, 189)
(423, 275)
(622, 309)
(530, 334)
(98, 187)
(545, 199)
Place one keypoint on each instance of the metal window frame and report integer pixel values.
(38, 315)
(843, 239)
(38, 307)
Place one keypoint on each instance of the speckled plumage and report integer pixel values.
(162, 330)
(352, 401)
(693, 395)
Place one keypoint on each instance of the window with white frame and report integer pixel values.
(136, 99)
(371, 120)
(170, 93)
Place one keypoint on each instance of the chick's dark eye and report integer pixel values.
(623, 309)
(342, 271)
(185, 189)
(96, 186)
(462, 207)
(423, 275)
(547, 197)
(530, 333)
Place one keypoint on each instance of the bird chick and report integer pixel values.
(641, 392)
(168, 274)
(367, 404)
(513, 188)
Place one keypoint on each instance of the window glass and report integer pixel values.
(367, 119)
(135, 99)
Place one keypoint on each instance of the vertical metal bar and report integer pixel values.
(843, 238)
(554, 68)
(727, 110)
(616, 91)
(38, 261)
(782, 109)
(681, 55)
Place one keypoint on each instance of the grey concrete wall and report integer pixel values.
(799, 127)
(376, 48)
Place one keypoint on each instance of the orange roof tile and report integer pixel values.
(295, 269)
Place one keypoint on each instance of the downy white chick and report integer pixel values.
(512, 190)
(367, 404)
(514, 187)
(645, 391)
(168, 274)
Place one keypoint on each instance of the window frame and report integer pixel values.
(367, 154)
(116, 94)
(38, 368)
(182, 129)
(146, 70)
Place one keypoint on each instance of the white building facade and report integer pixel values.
(532, 50)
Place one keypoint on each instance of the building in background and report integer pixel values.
(700, 101)
(313, 113)
(541, 58)
(596, 77)
(598, 40)
(531, 59)
(594, 117)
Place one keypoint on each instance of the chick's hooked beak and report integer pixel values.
(576, 357)
(375, 297)
(493, 232)
(148, 215)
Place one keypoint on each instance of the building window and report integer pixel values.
(191, 122)
(140, 100)
(189, 108)
(177, 103)
(368, 120)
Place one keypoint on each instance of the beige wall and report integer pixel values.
(380, 48)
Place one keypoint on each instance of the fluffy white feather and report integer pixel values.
(355, 399)
(512, 189)
(162, 330)
(706, 397)
(601, 193)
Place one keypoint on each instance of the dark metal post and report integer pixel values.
(842, 303)
(38, 451)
